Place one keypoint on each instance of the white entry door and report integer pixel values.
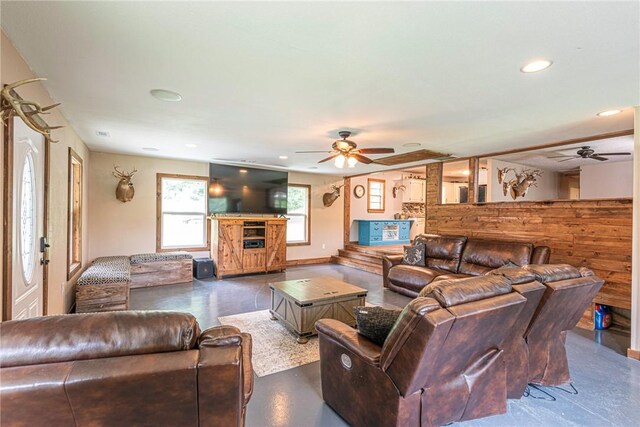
(28, 221)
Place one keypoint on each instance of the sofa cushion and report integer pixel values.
(375, 323)
(412, 277)
(461, 291)
(516, 275)
(481, 256)
(449, 276)
(442, 252)
(414, 255)
(546, 273)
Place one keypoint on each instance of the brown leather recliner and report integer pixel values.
(123, 368)
(451, 257)
(442, 362)
(568, 293)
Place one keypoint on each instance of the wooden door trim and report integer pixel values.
(7, 213)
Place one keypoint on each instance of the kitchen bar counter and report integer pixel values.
(383, 232)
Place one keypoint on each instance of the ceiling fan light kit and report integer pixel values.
(347, 152)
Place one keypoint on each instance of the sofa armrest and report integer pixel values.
(219, 336)
(350, 339)
(389, 261)
(224, 336)
(541, 255)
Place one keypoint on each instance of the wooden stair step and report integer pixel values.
(376, 259)
(374, 250)
(360, 265)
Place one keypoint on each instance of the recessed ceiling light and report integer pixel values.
(103, 133)
(609, 113)
(150, 149)
(191, 145)
(537, 65)
(466, 172)
(283, 157)
(412, 144)
(165, 95)
(242, 171)
(313, 167)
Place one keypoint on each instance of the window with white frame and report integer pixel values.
(298, 213)
(182, 213)
(375, 198)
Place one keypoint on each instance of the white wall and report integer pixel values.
(127, 228)
(635, 261)
(326, 223)
(606, 180)
(359, 206)
(61, 293)
(546, 189)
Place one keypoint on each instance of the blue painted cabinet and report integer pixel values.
(385, 232)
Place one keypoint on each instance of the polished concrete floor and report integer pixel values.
(608, 383)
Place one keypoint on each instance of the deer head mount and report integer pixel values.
(28, 111)
(520, 184)
(396, 188)
(124, 189)
(329, 198)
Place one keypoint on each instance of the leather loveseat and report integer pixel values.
(454, 257)
(123, 368)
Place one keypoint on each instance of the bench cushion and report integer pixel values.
(161, 256)
(114, 269)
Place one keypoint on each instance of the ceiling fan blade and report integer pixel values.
(376, 150)
(362, 159)
(333, 156)
(560, 157)
(323, 151)
(612, 154)
(570, 158)
(597, 157)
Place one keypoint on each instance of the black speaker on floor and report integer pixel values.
(202, 268)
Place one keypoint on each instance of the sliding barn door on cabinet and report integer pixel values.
(276, 245)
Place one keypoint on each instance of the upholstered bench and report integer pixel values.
(104, 285)
(164, 268)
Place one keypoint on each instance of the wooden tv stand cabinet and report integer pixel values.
(241, 245)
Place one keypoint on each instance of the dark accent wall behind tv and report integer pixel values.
(245, 190)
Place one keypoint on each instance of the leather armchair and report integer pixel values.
(123, 368)
(442, 362)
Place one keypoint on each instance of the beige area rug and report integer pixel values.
(274, 347)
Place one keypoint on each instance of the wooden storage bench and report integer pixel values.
(164, 268)
(104, 286)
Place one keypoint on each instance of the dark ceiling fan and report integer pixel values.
(345, 151)
(588, 153)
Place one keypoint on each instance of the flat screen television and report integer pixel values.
(243, 190)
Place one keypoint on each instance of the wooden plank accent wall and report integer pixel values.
(592, 233)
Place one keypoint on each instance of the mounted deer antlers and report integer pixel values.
(124, 190)
(28, 111)
(519, 185)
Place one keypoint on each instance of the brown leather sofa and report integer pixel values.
(451, 257)
(445, 361)
(123, 368)
(442, 362)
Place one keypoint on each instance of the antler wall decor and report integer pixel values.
(520, 184)
(124, 190)
(28, 111)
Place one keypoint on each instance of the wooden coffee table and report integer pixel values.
(300, 303)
